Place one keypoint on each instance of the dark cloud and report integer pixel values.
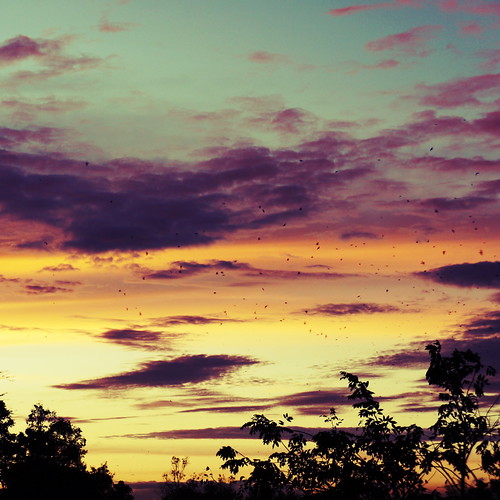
(228, 409)
(20, 47)
(205, 433)
(190, 369)
(414, 357)
(45, 289)
(485, 325)
(219, 433)
(131, 204)
(144, 339)
(479, 274)
(359, 234)
(183, 269)
(188, 320)
(59, 268)
(315, 402)
(464, 203)
(351, 308)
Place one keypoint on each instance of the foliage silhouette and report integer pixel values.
(199, 487)
(461, 428)
(381, 460)
(45, 462)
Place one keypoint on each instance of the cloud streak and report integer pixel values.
(411, 42)
(189, 369)
(468, 275)
(351, 308)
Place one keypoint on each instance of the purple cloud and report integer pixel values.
(359, 234)
(189, 369)
(351, 308)
(353, 9)
(182, 269)
(45, 289)
(485, 325)
(59, 268)
(464, 203)
(459, 92)
(410, 42)
(20, 47)
(264, 57)
(168, 321)
(130, 337)
(479, 274)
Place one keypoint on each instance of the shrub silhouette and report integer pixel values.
(382, 460)
(199, 487)
(45, 462)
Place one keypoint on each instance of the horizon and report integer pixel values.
(209, 211)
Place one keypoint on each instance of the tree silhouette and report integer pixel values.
(199, 487)
(381, 460)
(45, 462)
(461, 429)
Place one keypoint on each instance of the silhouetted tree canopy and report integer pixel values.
(45, 462)
(382, 460)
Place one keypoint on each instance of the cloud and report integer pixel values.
(189, 369)
(47, 53)
(315, 402)
(359, 234)
(58, 203)
(220, 433)
(467, 6)
(131, 337)
(479, 274)
(472, 29)
(20, 47)
(25, 110)
(223, 268)
(44, 289)
(470, 7)
(353, 9)
(113, 27)
(412, 357)
(59, 268)
(410, 42)
(467, 91)
(228, 409)
(464, 203)
(351, 308)
(264, 57)
(492, 57)
(169, 321)
(486, 325)
(11, 138)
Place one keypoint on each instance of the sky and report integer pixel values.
(209, 209)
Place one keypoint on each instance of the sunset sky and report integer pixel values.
(210, 208)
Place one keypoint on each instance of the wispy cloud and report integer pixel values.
(411, 42)
(469, 91)
(224, 268)
(354, 9)
(189, 369)
(106, 26)
(351, 308)
(49, 54)
(59, 268)
(264, 57)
